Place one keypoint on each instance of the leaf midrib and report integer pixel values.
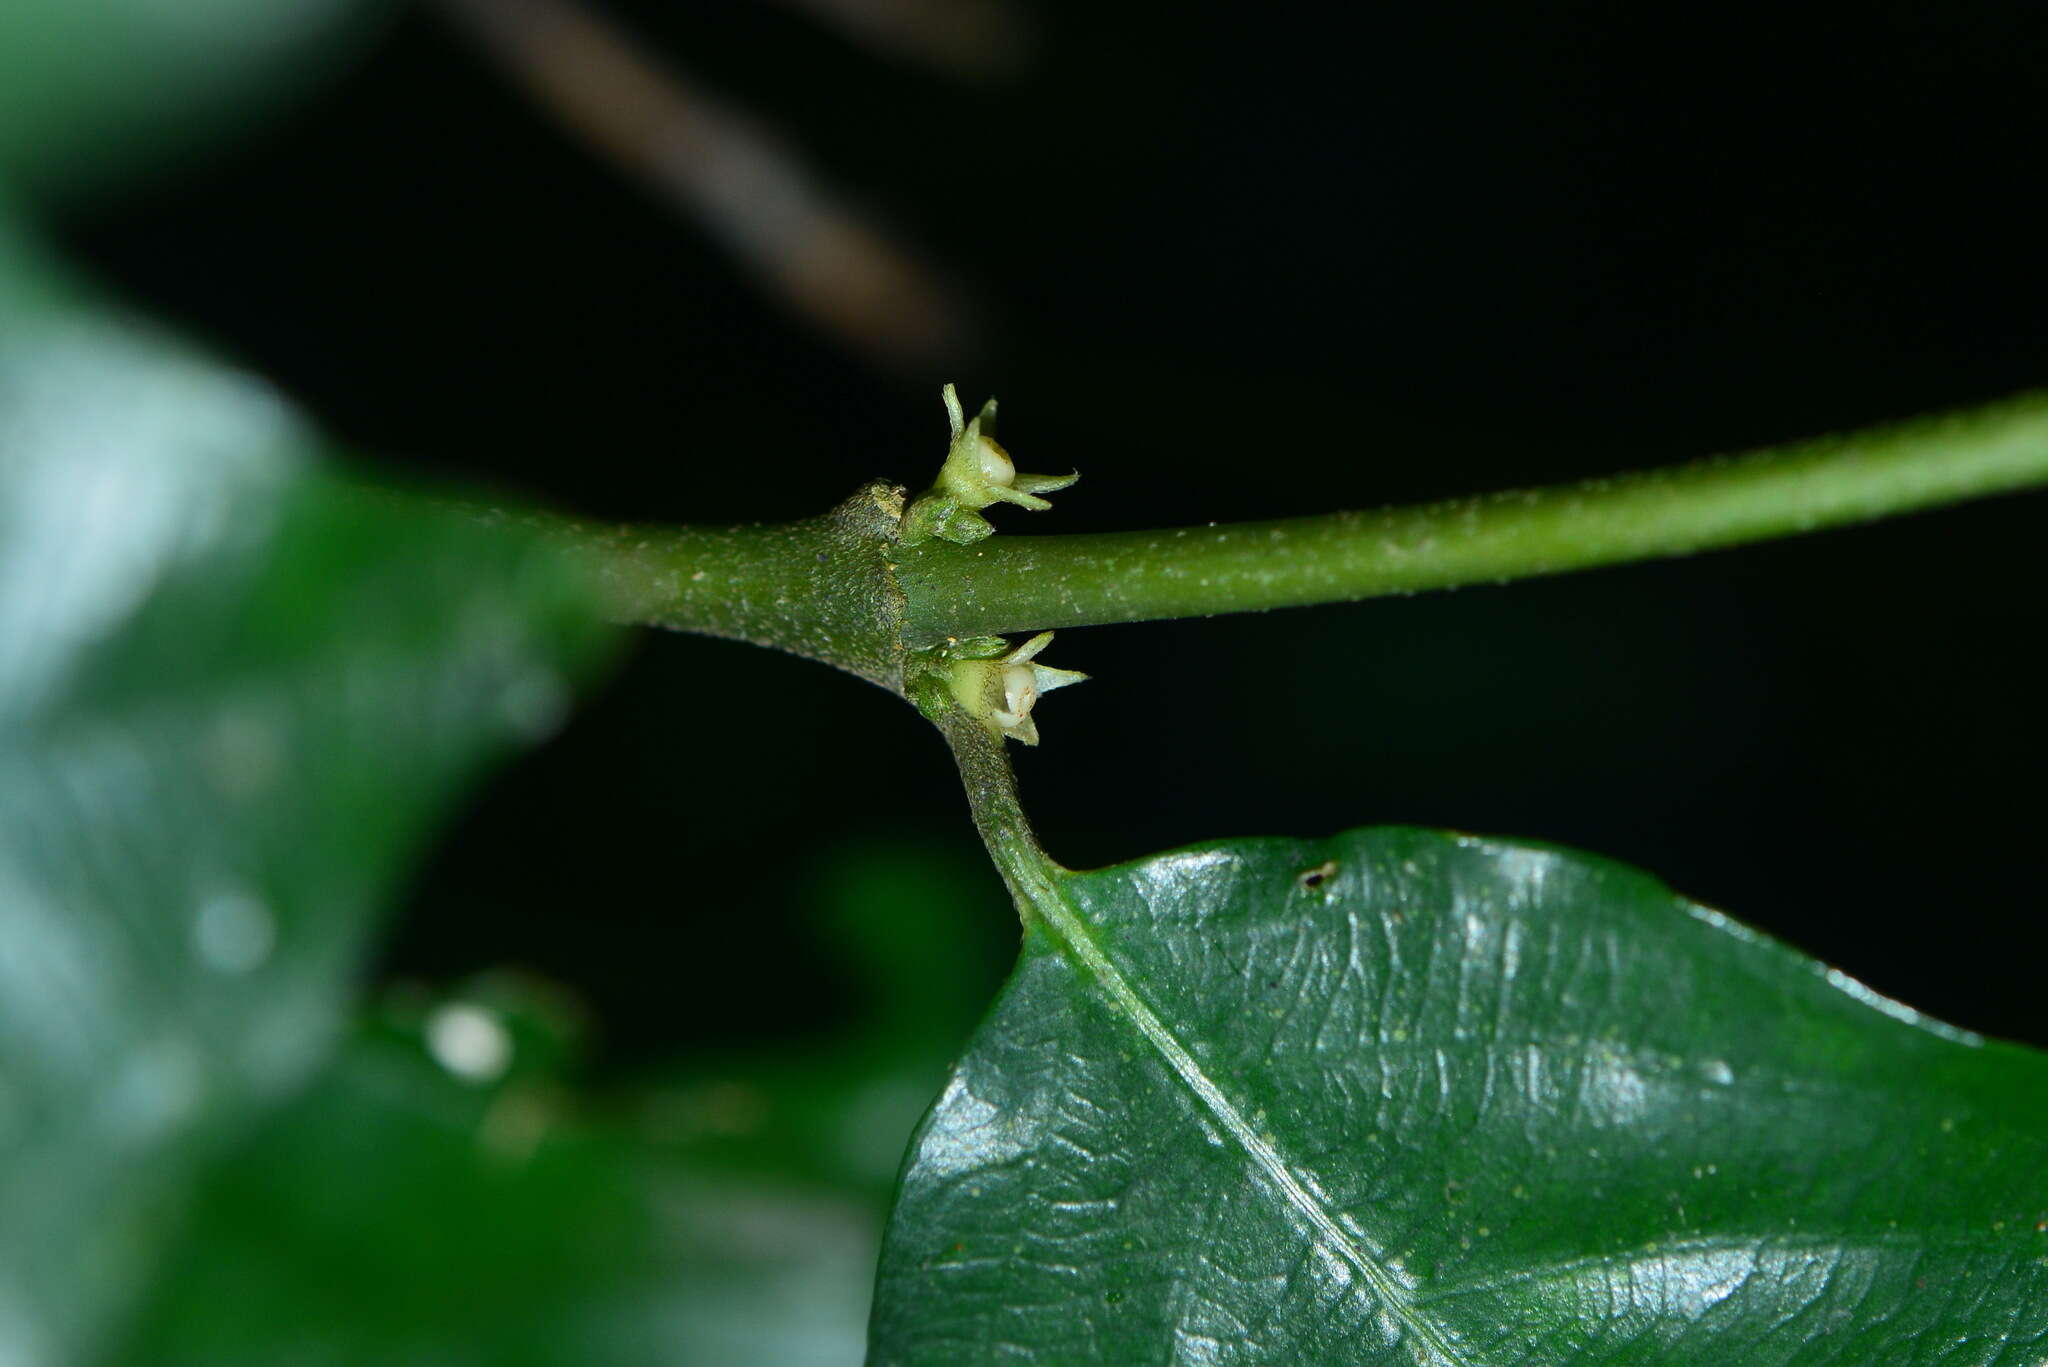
(1394, 1296)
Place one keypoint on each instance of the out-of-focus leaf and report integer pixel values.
(409, 1211)
(835, 1115)
(836, 1110)
(442, 1198)
(93, 87)
(1402, 1097)
(233, 694)
(890, 912)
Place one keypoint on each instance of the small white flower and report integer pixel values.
(1002, 690)
(977, 472)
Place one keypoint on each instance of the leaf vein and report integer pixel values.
(1395, 1298)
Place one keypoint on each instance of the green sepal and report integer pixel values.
(977, 473)
(1000, 690)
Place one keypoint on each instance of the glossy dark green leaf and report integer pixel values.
(1404, 1097)
(233, 696)
(410, 1211)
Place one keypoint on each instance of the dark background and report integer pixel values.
(1231, 261)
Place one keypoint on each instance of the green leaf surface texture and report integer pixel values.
(233, 695)
(1405, 1097)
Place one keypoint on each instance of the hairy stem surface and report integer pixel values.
(821, 588)
(1027, 583)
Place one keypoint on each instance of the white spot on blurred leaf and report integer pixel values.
(233, 933)
(533, 706)
(155, 1091)
(469, 1042)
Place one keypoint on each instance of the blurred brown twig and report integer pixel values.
(973, 39)
(731, 174)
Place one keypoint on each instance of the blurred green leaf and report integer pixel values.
(233, 695)
(836, 1109)
(1403, 1097)
(410, 1210)
(444, 1197)
(91, 88)
(891, 912)
(835, 1114)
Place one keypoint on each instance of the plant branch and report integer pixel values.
(991, 787)
(854, 588)
(820, 587)
(1027, 583)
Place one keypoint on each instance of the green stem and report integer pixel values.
(1028, 583)
(820, 588)
(991, 786)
